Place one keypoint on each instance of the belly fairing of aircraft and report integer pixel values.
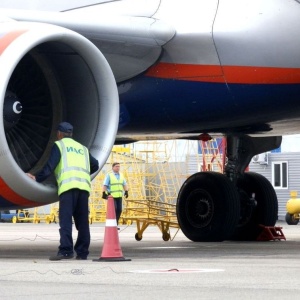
(123, 71)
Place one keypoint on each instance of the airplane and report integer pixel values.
(130, 70)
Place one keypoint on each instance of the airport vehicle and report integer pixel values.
(293, 209)
(7, 216)
(129, 70)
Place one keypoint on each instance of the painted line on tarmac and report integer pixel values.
(167, 247)
(177, 271)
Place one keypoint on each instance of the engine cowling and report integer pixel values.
(49, 74)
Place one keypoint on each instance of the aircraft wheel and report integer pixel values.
(208, 207)
(265, 211)
(137, 237)
(291, 220)
(166, 236)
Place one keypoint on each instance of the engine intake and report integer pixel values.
(49, 74)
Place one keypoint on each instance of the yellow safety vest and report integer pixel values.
(73, 169)
(116, 186)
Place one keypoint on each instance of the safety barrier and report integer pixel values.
(97, 211)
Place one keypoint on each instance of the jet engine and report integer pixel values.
(49, 74)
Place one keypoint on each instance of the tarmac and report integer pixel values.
(176, 269)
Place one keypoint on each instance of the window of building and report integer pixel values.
(280, 175)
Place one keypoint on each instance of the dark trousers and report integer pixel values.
(118, 208)
(74, 203)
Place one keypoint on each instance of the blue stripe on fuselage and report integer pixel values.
(154, 105)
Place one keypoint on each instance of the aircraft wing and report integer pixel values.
(131, 44)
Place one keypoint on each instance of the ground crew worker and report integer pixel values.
(114, 184)
(72, 165)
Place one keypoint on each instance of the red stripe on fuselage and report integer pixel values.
(228, 74)
(8, 194)
(6, 39)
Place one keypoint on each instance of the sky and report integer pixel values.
(290, 143)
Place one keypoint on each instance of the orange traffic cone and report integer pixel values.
(111, 248)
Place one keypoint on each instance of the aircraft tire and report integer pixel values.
(208, 207)
(266, 210)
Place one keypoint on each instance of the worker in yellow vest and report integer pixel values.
(115, 185)
(72, 165)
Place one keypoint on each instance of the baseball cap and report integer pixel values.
(65, 127)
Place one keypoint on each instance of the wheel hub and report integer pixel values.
(200, 208)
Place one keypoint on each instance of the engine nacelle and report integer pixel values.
(49, 74)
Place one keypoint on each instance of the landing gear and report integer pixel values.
(261, 206)
(215, 207)
(208, 207)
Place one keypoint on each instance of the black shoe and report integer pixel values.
(118, 228)
(61, 256)
(80, 258)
